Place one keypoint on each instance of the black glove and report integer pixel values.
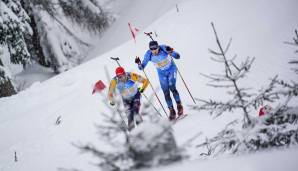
(112, 103)
(141, 90)
(137, 60)
(169, 49)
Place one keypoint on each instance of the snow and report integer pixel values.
(33, 73)
(258, 28)
(252, 162)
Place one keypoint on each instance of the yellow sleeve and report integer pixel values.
(140, 79)
(111, 89)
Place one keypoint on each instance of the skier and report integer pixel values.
(161, 56)
(127, 84)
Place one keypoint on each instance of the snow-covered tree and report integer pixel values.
(295, 62)
(34, 31)
(149, 144)
(229, 80)
(61, 46)
(276, 129)
(13, 26)
(292, 87)
(6, 87)
(85, 13)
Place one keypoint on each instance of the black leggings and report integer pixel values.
(132, 106)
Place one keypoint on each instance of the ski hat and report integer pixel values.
(153, 45)
(119, 71)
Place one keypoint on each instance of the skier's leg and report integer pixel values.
(172, 81)
(172, 85)
(165, 88)
(164, 83)
(136, 108)
(128, 104)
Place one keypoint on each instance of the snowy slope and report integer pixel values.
(27, 120)
(273, 161)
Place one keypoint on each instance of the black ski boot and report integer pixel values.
(172, 114)
(179, 109)
(130, 125)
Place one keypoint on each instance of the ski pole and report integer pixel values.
(149, 34)
(184, 82)
(116, 59)
(151, 104)
(154, 90)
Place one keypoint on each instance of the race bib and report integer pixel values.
(127, 92)
(164, 64)
(128, 89)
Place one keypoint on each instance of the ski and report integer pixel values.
(179, 118)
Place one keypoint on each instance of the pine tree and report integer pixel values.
(291, 88)
(86, 13)
(240, 97)
(13, 26)
(60, 46)
(6, 87)
(33, 40)
(32, 30)
(141, 148)
(294, 62)
(276, 129)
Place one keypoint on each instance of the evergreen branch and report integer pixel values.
(219, 86)
(215, 53)
(293, 62)
(108, 158)
(228, 46)
(290, 43)
(296, 38)
(217, 60)
(266, 94)
(214, 106)
(221, 50)
(213, 78)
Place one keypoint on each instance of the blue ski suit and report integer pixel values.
(167, 71)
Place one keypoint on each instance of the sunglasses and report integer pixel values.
(121, 76)
(153, 48)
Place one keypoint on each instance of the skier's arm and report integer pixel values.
(111, 90)
(173, 53)
(145, 61)
(140, 79)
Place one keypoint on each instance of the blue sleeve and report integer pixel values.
(175, 55)
(147, 57)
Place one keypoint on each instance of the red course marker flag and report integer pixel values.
(98, 87)
(133, 31)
